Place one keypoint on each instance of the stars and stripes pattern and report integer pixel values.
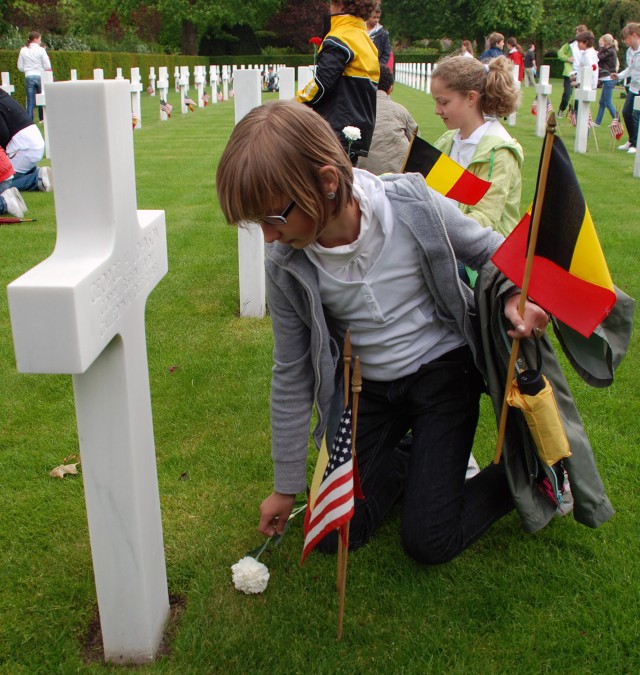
(190, 103)
(205, 99)
(134, 120)
(615, 129)
(333, 505)
(150, 90)
(571, 116)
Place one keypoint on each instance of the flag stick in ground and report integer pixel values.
(356, 388)
(346, 360)
(533, 237)
(11, 221)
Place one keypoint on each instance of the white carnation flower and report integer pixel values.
(352, 133)
(250, 575)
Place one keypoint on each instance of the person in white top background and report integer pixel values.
(631, 37)
(33, 60)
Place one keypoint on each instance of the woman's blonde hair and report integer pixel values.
(608, 40)
(493, 81)
(276, 151)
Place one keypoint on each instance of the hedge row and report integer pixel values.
(85, 62)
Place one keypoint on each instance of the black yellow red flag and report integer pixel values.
(569, 277)
(443, 174)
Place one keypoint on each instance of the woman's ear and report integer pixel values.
(329, 179)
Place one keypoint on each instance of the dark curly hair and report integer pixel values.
(362, 8)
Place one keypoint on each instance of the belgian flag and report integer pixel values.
(569, 276)
(443, 174)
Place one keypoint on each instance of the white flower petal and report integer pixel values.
(250, 575)
(352, 133)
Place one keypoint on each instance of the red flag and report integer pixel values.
(569, 277)
(444, 174)
(333, 505)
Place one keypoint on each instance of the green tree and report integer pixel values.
(616, 14)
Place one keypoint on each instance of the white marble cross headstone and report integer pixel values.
(199, 77)
(46, 78)
(73, 74)
(163, 90)
(225, 83)
(428, 87)
(6, 83)
(176, 78)
(136, 88)
(516, 83)
(119, 75)
(213, 81)
(287, 83)
(81, 311)
(305, 75)
(98, 74)
(543, 90)
(152, 80)
(584, 96)
(248, 95)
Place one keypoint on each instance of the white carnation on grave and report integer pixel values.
(250, 575)
(352, 133)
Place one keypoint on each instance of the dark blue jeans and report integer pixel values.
(631, 118)
(26, 182)
(34, 86)
(442, 514)
(606, 100)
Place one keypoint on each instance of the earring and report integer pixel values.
(331, 195)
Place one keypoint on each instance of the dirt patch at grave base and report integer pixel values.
(93, 651)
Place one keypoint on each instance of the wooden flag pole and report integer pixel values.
(533, 237)
(346, 361)
(356, 388)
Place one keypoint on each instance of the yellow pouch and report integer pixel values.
(543, 418)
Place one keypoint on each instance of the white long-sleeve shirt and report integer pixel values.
(33, 60)
(632, 70)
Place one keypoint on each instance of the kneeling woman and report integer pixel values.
(346, 249)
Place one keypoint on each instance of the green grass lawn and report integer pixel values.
(565, 599)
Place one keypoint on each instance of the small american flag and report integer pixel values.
(571, 116)
(615, 129)
(534, 107)
(166, 108)
(590, 123)
(134, 120)
(205, 99)
(334, 503)
(150, 90)
(549, 108)
(189, 102)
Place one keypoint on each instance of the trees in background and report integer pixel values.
(188, 26)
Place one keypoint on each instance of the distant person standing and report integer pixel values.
(568, 54)
(343, 89)
(516, 56)
(608, 65)
(392, 134)
(33, 60)
(466, 49)
(496, 47)
(379, 36)
(530, 66)
(631, 37)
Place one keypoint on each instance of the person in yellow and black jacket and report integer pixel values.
(344, 88)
